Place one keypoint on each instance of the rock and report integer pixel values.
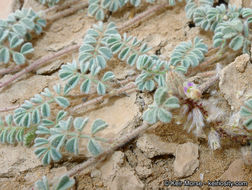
(240, 72)
(50, 68)
(235, 172)
(247, 3)
(186, 160)
(111, 166)
(119, 121)
(22, 90)
(7, 7)
(237, 3)
(14, 160)
(143, 172)
(126, 180)
(116, 175)
(152, 145)
(34, 4)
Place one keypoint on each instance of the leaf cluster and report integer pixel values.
(15, 31)
(94, 52)
(246, 112)
(64, 183)
(159, 110)
(75, 73)
(188, 54)
(32, 111)
(50, 3)
(99, 8)
(229, 24)
(66, 135)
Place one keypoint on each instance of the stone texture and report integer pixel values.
(126, 180)
(14, 160)
(236, 92)
(152, 145)
(237, 3)
(235, 172)
(118, 175)
(186, 160)
(7, 7)
(247, 3)
(50, 68)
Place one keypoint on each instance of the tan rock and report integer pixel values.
(120, 121)
(119, 176)
(237, 3)
(235, 172)
(50, 68)
(6, 7)
(240, 72)
(126, 180)
(152, 145)
(14, 160)
(186, 160)
(247, 3)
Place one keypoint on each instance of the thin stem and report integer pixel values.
(67, 12)
(39, 63)
(10, 70)
(118, 143)
(101, 98)
(203, 87)
(143, 15)
(50, 57)
(9, 108)
(202, 75)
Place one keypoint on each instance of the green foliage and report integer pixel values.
(99, 8)
(191, 7)
(189, 53)
(15, 31)
(233, 33)
(31, 112)
(128, 48)
(159, 110)
(94, 51)
(64, 183)
(49, 2)
(246, 112)
(67, 134)
(153, 72)
(9, 132)
(173, 2)
(74, 72)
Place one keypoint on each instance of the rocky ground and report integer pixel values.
(166, 152)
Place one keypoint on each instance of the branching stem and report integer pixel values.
(9, 108)
(38, 63)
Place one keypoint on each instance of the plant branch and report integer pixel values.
(10, 70)
(118, 144)
(203, 87)
(9, 108)
(67, 12)
(39, 63)
(50, 57)
(101, 98)
(143, 15)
